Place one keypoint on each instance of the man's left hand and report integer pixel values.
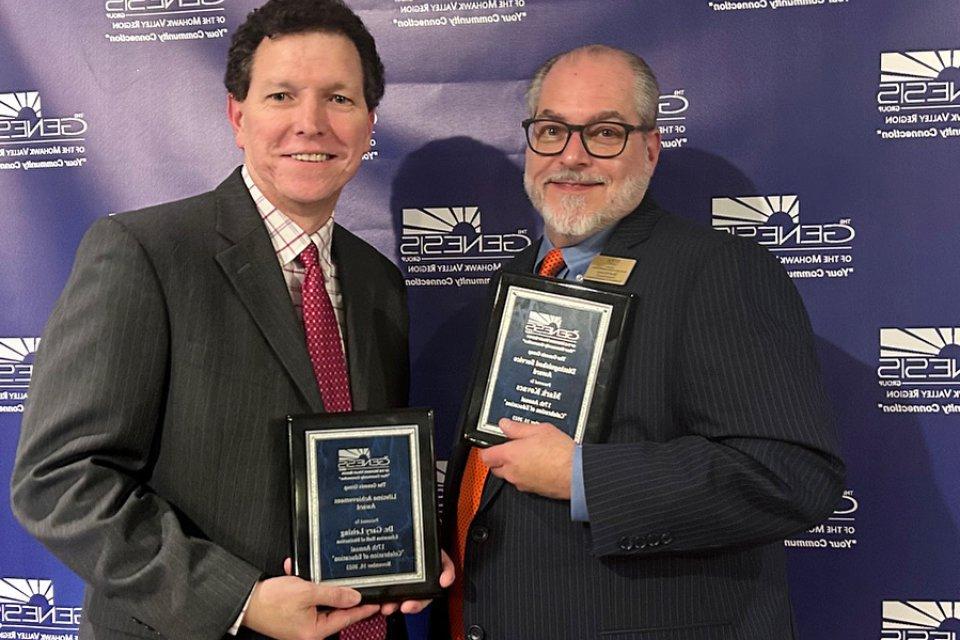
(537, 459)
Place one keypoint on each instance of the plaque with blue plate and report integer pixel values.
(364, 502)
(551, 354)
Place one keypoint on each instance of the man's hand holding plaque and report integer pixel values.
(537, 458)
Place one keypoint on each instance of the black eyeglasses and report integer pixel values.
(604, 139)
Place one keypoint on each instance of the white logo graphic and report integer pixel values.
(12, 105)
(545, 319)
(671, 119)
(546, 327)
(455, 233)
(359, 458)
(774, 222)
(910, 66)
(437, 220)
(28, 604)
(16, 362)
(920, 81)
(756, 211)
(920, 620)
(920, 356)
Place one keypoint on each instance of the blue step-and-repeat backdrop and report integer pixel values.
(827, 130)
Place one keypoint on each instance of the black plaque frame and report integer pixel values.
(307, 514)
(617, 311)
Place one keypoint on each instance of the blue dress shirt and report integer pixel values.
(577, 258)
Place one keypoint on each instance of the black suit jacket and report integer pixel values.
(153, 457)
(721, 444)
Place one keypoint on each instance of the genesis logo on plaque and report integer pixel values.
(31, 140)
(817, 250)
(920, 620)
(919, 370)
(672, 119)
(164, 20)
(16, 368)
(919, 94)
(27, 610)
(446, 246)
(836, 533)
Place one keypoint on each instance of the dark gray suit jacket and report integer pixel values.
(721, 444)
(153, 456)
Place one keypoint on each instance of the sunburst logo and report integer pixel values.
(21, 118)
(454, 233)
(920, 620)
(26, 591)
(463, 221)
(545, 319)
(27, 605)
(920, 355)
(24, 105)
(919, 80)
(774, 222)
(359, 458)
(16, 362)
(780, 211)
(908, 66)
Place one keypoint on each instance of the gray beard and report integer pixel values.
(570, 217)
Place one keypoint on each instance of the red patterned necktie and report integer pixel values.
(330, 369)
(471, 488)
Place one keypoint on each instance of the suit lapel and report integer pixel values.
(357, 301)
(250, 264)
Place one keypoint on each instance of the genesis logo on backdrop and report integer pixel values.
(774, 222)
(16, 369)
(27, 610)
(451, 241)
(919, 94)
(920, 620)
(919, 370)
(672, 119)
(21, 120)
(31, 140)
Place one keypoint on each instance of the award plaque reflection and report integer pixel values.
(364, 502)
(550, 355)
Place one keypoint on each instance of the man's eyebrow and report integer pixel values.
(612, 114)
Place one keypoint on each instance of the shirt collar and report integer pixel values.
(578, 257)
(287, 237)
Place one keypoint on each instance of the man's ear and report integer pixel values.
(235, 116)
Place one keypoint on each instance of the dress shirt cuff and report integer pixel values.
(236, 625)
(578, 492)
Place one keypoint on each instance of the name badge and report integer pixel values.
(610, 270)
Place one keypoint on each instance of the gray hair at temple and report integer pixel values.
(646, 93)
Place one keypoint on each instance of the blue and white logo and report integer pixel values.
(920, 356)
(28, 610)
(16, 369)
(920, 620)
(773, 221)
(919, 94)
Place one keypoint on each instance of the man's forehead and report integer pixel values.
(588, 87)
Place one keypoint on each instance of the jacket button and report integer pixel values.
(475, 632)
(479, 534)
(625, 544)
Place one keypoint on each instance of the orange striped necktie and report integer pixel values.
(471, 488)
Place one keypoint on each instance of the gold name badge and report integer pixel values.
(610, 270)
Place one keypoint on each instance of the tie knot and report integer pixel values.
(552, 263)
(310, 256)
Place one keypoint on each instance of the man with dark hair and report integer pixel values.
(153, 457)
(720, 443)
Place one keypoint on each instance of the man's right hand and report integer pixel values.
(286, 608)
